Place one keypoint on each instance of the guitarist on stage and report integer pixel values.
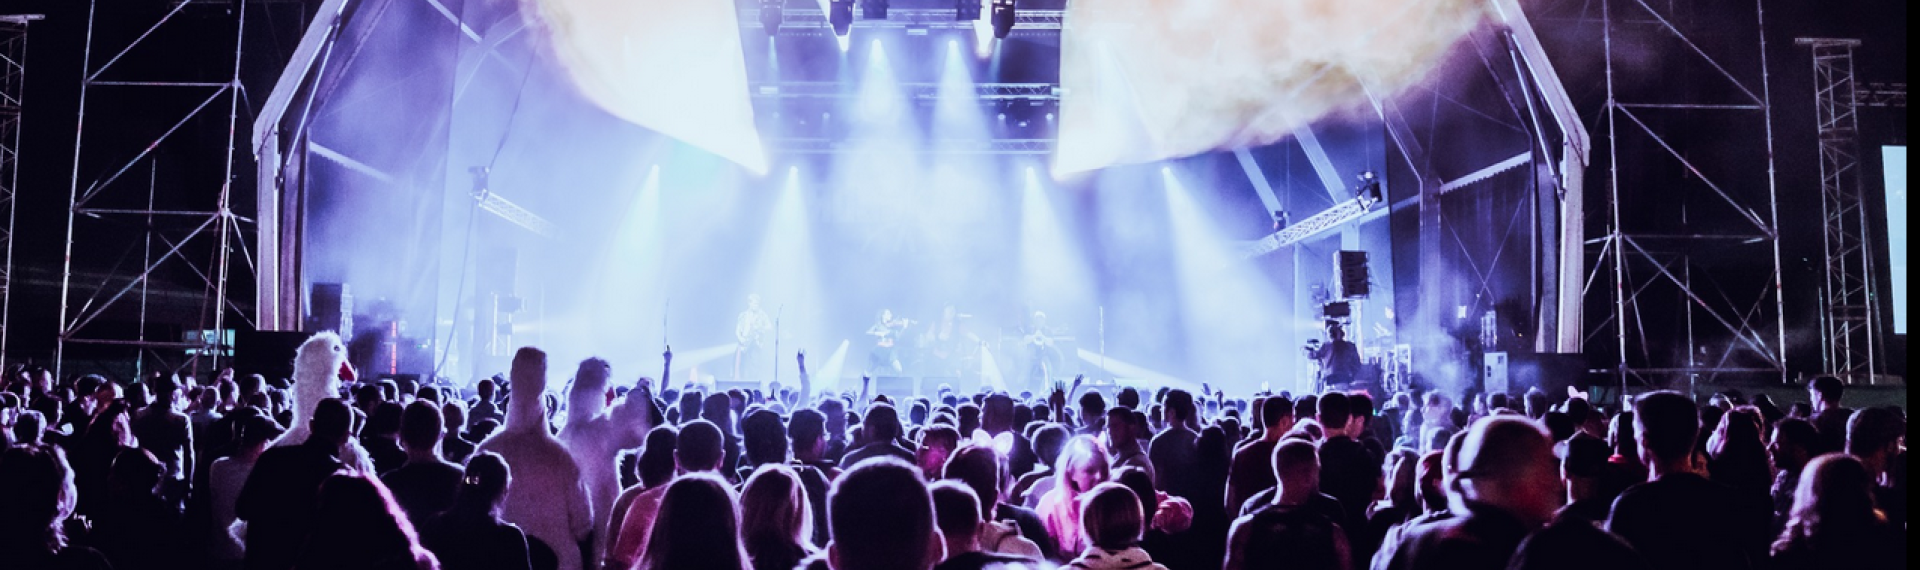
(750, 331)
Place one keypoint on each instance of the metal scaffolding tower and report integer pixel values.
(1849, 319)
(1721, 331)
(13, 76)
(196, 219)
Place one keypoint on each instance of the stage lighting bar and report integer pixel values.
(966, 10)
(1005, 16)
(1006, 147)
(797, 20)
(1311, 227)
(840, 16)
(1040, 93)
(771, 13)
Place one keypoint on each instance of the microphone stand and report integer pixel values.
(777, 314)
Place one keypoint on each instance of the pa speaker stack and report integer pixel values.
(1351, 267)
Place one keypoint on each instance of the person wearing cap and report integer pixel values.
(1574, 540)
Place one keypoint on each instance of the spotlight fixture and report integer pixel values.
(1369, 190)
(840, 16)
(873, 9)
(1002, 18)
(772, 12)
(966, 10)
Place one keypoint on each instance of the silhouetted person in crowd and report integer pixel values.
(698, 449)
(549, 500)
(358, 527)
(224, 480)
(1506, 487)
(1113, 521)
(136, 527)
(1252, 468)
(1004, 525)
(281, 497)
(1123, 441)
(698, 527)
(1291, 530)
(1829, 417)
(1048, 441)
(1835, 523)
(881, 518)
(168, 434)
(381, 436)
(1737, 452)
(470, 535)
(486, 403)
(1873, 436)
(455, 446)
(426, 484)
(880, 427)
(39, 496)
(1348, 471)
(1791, 447)
(776, 520)
(1678, 519)
(957, 515)
(595, 436)
(1574, 541)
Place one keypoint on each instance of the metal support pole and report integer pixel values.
(13, 77)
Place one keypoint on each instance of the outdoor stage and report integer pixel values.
(1039, 189)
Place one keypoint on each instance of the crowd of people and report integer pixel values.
(328, 471)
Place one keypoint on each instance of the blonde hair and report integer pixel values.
(774, 509)
(1081, 452)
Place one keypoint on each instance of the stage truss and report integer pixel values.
(1850, 320)
(1658, 258)
(13, 74)
(105, 194)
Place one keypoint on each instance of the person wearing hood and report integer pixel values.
(549, 498)
(319, 366)
(595, 436)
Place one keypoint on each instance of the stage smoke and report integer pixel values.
(1147, 80)
(674, 67)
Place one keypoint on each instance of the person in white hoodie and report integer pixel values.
(318, 367)
(549, 498)
(596, 437)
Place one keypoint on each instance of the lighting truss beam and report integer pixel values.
(933, 19)
(514, 214)
(990, 146)
(1850, 324)
(1881, 95)
(1315, 225)
(926, 91)
(1488, 172)
(13, 73)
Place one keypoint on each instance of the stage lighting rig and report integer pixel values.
(873, 9)
(840, 16)
(772, 12)
(966, 10)
(1369, 190)
(1003, 11)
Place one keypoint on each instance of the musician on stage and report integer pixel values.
(1043, 355)
(1339, 359)
(750, 332)
(946, 346)
(885, 360)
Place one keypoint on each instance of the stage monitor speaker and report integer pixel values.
(896, 386)
(1351, 266)
(1494, 372)
(267, 353)
(330, 308)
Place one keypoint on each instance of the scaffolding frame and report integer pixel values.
(1621, 250)
(1849, 313)
(216, 221)
(13, 77)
